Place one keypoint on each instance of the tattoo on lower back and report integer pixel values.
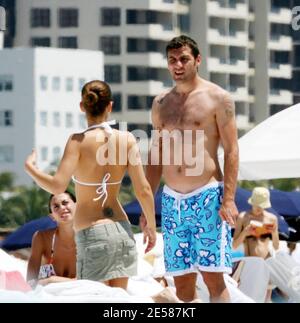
(108, 212)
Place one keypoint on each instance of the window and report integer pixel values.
(110, 45)
(40, 42)
(141, 73)
(6, 83)
(56, 119)
(184, 22)
(6, 154)
(111, 16)
(44, 153)
(67, 42)
(140, 126)
(44, 118)
(6, 118)
(69, 84)
(56, 83)
(44, 82)
(112, 73)
(68, 17)
(117, 106)
(69, 120)
(40, 17)
(81, 83)
(56, 153)
(82, 121)
(140, 102)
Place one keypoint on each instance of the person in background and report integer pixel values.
(53, 251)
(257, 227)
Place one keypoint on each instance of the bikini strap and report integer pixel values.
(102, 187)
(106, 126)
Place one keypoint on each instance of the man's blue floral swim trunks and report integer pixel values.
(195, 237)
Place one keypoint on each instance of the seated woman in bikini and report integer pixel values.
(257, 227)
(53, 251)
(98, 159)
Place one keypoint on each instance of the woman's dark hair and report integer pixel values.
(96, 95)
(72, 197)
(181, 41)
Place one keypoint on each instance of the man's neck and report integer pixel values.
(187, 87)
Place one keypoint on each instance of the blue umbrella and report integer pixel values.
(22, 237)
(286, 203)
(133, 210)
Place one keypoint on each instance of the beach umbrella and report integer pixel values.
(22, 237)
(271, 149)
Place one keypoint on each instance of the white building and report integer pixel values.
(39, 103)
(132, 34)
(2, 25)
(247, 49)
(245, 44)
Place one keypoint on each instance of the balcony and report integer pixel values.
(280, 15)
(146, 59)
(242, 122)
(227, 66)
(239, 93)
(153, 31)
(280, 43)
(149, 87)
(280, 70)
(239, 38)
(283, 97)
(239, 10)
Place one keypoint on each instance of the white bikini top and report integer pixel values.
(102, 187)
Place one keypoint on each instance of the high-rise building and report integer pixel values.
(247, 49)
(296, 52)
(246, 46)
(40, 93)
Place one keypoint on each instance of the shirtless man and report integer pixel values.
(53, 251)
(195, 217)
(257, 227)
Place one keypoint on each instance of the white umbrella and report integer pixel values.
(272, 148)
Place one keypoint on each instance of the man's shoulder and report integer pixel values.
(162, 96)
(214, 90)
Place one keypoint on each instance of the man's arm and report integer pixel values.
(225, 117)
(58, 183)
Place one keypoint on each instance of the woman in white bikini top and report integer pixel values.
(97, 160)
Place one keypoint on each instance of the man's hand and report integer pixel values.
(149, 238)
(229, 212)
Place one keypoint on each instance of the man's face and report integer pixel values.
(182, 64)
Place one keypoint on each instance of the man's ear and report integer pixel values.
(82, 107)
(199, 60)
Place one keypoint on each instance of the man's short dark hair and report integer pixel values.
(181, 41)
(72, 197)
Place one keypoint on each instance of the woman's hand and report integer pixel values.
(30, 162)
